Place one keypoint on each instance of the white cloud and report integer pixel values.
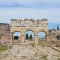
(28, 1)
(38, 4)
(35, 9)
(52, 15)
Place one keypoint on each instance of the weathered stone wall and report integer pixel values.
(4, 33)
(53, 33)
(39, 25)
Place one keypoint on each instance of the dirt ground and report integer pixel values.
(30, 53)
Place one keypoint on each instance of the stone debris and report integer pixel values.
(31, 53)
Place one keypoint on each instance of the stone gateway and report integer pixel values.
(20, 25)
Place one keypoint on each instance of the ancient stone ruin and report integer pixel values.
(4, 33)
(20, 25)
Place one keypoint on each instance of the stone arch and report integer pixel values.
(16, 41)
(30, 30)
(45, 35)
(36, 37)
(28, 24)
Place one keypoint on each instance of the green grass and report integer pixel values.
(3, 48)
(44, 57)
(58, 58)
(32, 44)
(41, 42)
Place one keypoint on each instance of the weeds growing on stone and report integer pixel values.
(3, 48)
(44, 56)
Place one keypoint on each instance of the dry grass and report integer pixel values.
(3, 48)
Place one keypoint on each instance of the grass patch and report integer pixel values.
(58, 58)
(32, 44)
(44, 57)
(3, 48)
(41, 42)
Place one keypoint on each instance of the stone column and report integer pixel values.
(36, 40)
(47, 40)
(22, 40)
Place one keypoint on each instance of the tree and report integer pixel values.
(57, 27)
(30, 36)
(27, 37)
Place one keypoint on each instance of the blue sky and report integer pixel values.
(35, 9)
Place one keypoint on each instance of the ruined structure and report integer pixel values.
(28, 25)
(18, 25)
(54, 37)
(4, 33)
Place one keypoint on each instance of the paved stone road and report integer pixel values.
(30, 53)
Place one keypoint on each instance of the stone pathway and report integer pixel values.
(30, 53)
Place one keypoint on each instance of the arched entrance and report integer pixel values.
(16, 37)
(28, 24)
(42, 38)
(29, 38)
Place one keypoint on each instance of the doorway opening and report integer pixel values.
(16, 37)
(41, 38)
(29, 38)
